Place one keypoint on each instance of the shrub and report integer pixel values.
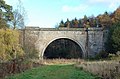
(9, 45)
(101, 55)
(104, 69)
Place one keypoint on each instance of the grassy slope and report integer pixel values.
(54, 72)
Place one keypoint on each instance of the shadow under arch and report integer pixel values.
(66, 38)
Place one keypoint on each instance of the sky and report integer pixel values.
(49, 13)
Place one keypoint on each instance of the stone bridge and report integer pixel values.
(90, 40)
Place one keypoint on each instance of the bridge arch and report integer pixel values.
(68, 38)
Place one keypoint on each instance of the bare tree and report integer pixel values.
(19, 16)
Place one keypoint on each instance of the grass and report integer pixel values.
(54, 72)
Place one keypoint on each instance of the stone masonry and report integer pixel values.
(91, 41)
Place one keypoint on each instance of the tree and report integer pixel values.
(116, 38)
(6, 14)
(3, 23)
(67, 23)
(105, 20)
(116, 16)
(75, 22)
(62, 24)
(85, 18)
(9, 45)
(19, 16)
(113, 40)
(92, 21)
(87, 24)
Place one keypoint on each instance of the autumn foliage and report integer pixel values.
(102, 20)
(9, 45)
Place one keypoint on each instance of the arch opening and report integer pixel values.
(63, 48)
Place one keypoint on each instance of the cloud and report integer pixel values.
(112, 4)
(79, 8)
(109, 4)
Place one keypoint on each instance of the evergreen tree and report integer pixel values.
(67, 23)
(6, 14)
(113, 40)
(62, 24)
(116, 38)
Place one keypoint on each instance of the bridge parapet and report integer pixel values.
(63, 29)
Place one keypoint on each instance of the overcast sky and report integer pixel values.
(48, 13)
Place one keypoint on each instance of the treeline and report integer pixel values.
(102, 20)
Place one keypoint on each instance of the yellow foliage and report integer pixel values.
(9, 44)
(117, 15)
